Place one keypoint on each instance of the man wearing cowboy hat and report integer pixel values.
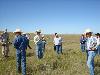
(20, 43)
(39, 44)
(91, 47)
(98, 42)
(5, 43)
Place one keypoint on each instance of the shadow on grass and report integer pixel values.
(29, 54)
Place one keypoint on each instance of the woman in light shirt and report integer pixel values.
(58, 44)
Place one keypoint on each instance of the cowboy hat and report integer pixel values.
(17, 30)
(88, 31)
(38, 30)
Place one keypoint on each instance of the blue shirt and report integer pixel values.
(82, 40)
(20, 42)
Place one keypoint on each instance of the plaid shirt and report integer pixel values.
(91, 43)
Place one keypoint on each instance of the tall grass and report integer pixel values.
(71, 62)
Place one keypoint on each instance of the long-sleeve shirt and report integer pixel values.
(38, 39)
(91, 43)
(20, 42)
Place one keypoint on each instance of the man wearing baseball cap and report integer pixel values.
(91, 47)
(20, 43)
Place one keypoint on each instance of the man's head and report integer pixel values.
(17, 32)
(88, 32)
(38, 32)
(56, 34)
(97, 35)
(83, 35)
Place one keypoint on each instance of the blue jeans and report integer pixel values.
(43, 45)
(98, 52)
(90, 61)
(21, 61)
(39, 50)
(59, 49)
(83, 47)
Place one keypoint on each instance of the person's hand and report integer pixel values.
(93, 49)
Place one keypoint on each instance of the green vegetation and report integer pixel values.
(71, 62)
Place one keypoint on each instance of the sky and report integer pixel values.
(61, 16)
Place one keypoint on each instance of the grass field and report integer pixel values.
(71, 62)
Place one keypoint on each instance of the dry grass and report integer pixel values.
(71, 62)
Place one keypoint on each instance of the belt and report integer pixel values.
(91, 50)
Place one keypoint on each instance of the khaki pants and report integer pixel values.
(5, 50)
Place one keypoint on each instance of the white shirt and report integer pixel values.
(98, 41)
(57, 41)
(37, 38)
(91, 43)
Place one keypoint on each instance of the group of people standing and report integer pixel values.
(21, 42)
(91, 45)
(40, 43)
